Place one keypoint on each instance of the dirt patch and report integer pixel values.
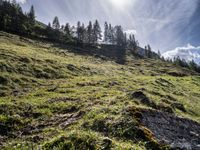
(169, 129)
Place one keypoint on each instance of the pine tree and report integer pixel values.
(97, 32)
(57, 35)
(83, 33)
(49, 33)
(31, 15)
(49, 25)
(131, 42)
(111, 34)
(89, 32)
(119, 36)
(149, 51)
(159, 54)
(125, 42)
(106, 32)
(193, 65)
(78, 32)
(67, 32)
(56, 23)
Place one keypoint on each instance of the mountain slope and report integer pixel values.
(54, 96)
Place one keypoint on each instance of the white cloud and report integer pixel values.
(188, 53)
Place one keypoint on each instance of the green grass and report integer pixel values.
(42, 86)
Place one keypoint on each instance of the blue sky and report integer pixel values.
(164, 24)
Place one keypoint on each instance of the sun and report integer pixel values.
(121, 4)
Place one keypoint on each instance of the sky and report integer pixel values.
(164, 24)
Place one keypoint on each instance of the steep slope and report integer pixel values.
(53, 96)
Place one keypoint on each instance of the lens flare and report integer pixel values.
(121, 4)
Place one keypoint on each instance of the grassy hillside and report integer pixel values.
(52, 97)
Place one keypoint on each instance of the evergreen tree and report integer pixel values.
(78, 32)
(31, 15)
(49, 25)
(193, 66)
(89, 32)
(131, 42)
(31, 21)
(57, 35)
(106, 33)
(119, 36)
(67, 32)
(83, 34)
(56, 23)
(125, 42)
(12, 18)
(96, 32)
(149, 51)
(49, 31)
(67, 29)
(159, 54)
(111, 38)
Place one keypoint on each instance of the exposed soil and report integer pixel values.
(172, 130)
